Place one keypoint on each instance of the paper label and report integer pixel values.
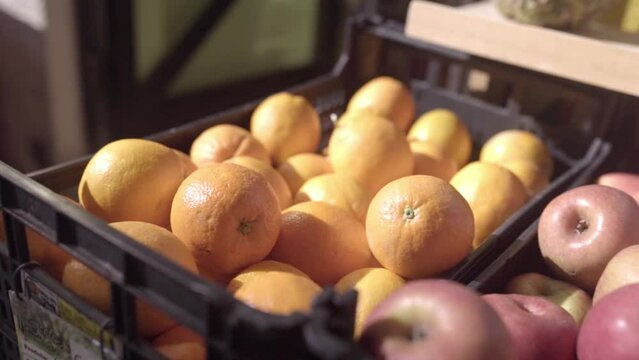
(49, 300)
(48, 328)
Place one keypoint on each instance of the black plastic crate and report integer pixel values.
(233, 330)
(520, 257)
(10, 346)
(8, 341)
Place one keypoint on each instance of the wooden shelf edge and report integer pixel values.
(604, 64)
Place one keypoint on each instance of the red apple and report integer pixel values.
(571, 298)
(611, 329)
(436, 319)
(539, 328)
(622, 270)
(583, 228)
(626, 182)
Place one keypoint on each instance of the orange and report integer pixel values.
(280, 294)
(517, 145)
(50, 256)
(324, 241)
(444, 129)
(493, 193)
(96, 290)
(530, 174)
(38, 245)
(419, 226)
(370, 149)
(188, 166)
(430, 160)
(386, 97)
(254, 272)
(300, 168)
(286, 124)
(271, 175)
(159, 239)
(338, 190)
(228, 216)
(181, 343)
(275, 288)
(373, 285)
(88, 284)
(131, 179)
(222, 142)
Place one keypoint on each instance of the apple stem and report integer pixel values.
(409, 213)
(245, 227)
(582, 226)
(418, 334)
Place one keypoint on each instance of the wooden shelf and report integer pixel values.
(594, 56)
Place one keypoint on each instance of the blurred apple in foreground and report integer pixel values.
(539, 328)
(611, 329)
(626, 182)
(436, 319)
(583, 228)
(622, 270)
(571, 298)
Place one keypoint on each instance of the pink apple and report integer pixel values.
(583, 228)
(571, 298)
(622, 270)
(436, 319)
(611, 329)
(539, 328)
(626, 182)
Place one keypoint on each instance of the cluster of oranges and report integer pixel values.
(263, 213)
